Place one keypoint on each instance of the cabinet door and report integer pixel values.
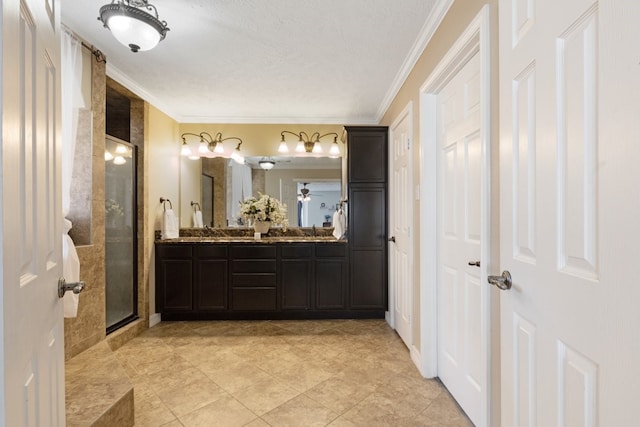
(211, 284)
(367, 217)
(330, 283)
(367, 148)
(174, 270)
(295, 280)
(368, 279)
(176, 275)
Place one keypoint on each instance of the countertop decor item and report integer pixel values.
(264, 209)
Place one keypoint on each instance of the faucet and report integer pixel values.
(313, 230)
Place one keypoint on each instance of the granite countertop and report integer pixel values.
(246, 235)
(242, 239)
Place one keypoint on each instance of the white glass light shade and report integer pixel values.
(119, 160)
(317, 148)
(121, 149)
(185, 150)
(266, 164)
(283, 147)
(237, 156)
(203, 147)
(334, 151)
(193, 157)
(108, 156)
(219, 148)
(132, 32)
(300, 147)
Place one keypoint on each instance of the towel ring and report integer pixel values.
(164, 203)
(196, 206)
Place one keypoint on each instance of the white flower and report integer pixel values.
(264, 208)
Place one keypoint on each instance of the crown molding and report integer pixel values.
(428, 30)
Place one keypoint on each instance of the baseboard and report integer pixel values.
(416, 358)
(154, 319)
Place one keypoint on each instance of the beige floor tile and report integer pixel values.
(174, 423)
(191, 396)
(258, 422)
(302, 376)
(342, 422)
(150, 411)
(445, 411)
(235, 377)
(226, 412)
(300, 411)
(340, 395)
(263, 396)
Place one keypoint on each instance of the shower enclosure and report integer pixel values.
(120, 233)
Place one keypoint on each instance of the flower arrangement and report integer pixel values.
(264, 208)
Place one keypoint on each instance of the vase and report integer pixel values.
(261, 227)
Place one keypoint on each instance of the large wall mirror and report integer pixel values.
(311, 187)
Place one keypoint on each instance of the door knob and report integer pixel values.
(63, 287)
(474, 263)
(503, 282)
(392, 239)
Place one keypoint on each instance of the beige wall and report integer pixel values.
(163, 178)
(458, 18)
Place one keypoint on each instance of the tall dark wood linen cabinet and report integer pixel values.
(367, 148)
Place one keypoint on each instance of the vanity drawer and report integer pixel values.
(294, 250)
(173, 251)
(331, 250)
(211, 251)
(257, 298)
(253, 266)
(252, 251)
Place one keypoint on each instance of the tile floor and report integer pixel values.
(281, 373)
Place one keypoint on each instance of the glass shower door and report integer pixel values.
(120, 233)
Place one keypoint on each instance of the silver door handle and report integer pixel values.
(63, 287)
(474, 263)
(503, 282)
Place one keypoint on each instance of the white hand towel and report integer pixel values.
(197, 219)
(338, 224)
(170, 228)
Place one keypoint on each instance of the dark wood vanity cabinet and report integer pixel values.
(367, 229)
(254, 281)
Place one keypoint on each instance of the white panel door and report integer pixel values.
(461, 305)
(569, 152)
(401, 218)
(32, 323)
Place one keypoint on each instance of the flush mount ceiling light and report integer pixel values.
(308, 144)
(134, 23)
(266, 164)
(212, 144)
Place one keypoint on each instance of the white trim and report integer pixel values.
(154, 319)
(407, 112)
(475, 39)
(414, 352)
(429, 28)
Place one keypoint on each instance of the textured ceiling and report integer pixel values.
(268, 61)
